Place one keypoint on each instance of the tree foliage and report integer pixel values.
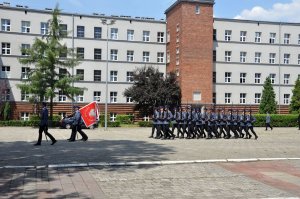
(151, 89)
(268, 103)
(44, 81)
(295, 102)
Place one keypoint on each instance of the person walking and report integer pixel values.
(77, 126)
(268, 121)
(44, 126)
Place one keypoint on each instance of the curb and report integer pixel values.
(111, 164)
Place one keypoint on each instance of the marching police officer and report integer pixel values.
(77, 126)
(154, 122)
(250, 120)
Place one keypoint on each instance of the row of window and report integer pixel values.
(6, 50)
(257, 78)
(80, 31)
(258, 37)
(257, 98)
(257, 57)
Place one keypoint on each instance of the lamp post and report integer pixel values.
(107, 23)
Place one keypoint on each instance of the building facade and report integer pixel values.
(217, 61)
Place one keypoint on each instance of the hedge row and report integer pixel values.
(32, 123)
(276, 121)
(111, 124)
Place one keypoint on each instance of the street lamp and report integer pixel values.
(107, 23)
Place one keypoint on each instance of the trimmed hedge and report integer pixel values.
(145, 124)
(20, 123)
(277, 120)
(125, 119)
(111, 124)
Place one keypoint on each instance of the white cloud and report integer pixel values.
(288, 12)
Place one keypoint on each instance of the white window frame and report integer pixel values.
(272, 38)
(5, 71)
(298, 59)
(113, 97)
(286, 38)
(243, 36)
(286, 78)
(61, 96)
(80, 31)
(168, 57)
(228, 77)
(197, 9)
(80, 74)
(25, 26)
(97, 54)
(169, 37)
(80, 52)
(146, 36)
(243, 97)
(5, 48)
(228, 56)
(112, 117)
(146, 56)
(228, 34)
(44, 28)
(286, 98)
(80, 97)
(257, 57)
(97, 96)
(129, 76)
(286, 58)
(129, 100)
(130, 35)
(114, 33)
(243, 56)
(243, 78)
(97, 32)
(257, 78)
(272, 57)
(228, 98)
(160, 37)
(97, 76)
(25, 116)
(130, 55)
(24, 96)
(160, 57)
(257, 98)
(273, 78)
(114, 55)
(257, 37)
(25, 72)
(113, 76)
(5, 25)
(298, 39)
(25, 47)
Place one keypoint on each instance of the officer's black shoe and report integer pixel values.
(53, 142)
(85, 139)
(256, 137)
(37, 144)
(71, 140)
(250, 136)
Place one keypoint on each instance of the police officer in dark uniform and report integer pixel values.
(250, 120)
(179, 121)
(198, 123)
(154, 122)
(229, 123)
(222, 123)
(44, 126)
(77, 126)
(204, 118)
(184, 122)
(160, 122)
(243, 125)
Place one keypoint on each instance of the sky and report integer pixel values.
(270, 10)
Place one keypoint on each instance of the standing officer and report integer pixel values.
(268, 121)
(77, 126)
(44, 126)
(154, 122)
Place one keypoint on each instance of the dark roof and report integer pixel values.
(189, 1)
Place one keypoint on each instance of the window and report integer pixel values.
(80, 53)
(177, 38)
(298, 58)
(130, 55)
(258, 37)
(227, 56)
(113, 97)
(44, 28)
(5, 72)
(5, 48)
(177, 27)
(177, 60)
(80, 97)
(168, 57)
(97, 96)
(62, 73)
(286, 38)
(129, 100)
(228, 35)
(146, 56)
(62, 97)
(243, 98)
(113, 117)
(97, 75)
(24, 49)
(272, 77)
(214, 99)
(114, 33)
(286, 78)
(5, 25)
(243, 78)
(160, 57)
(5, 95)
(197, 9)
(214, 56)
(299, 39)
(130, 35)
(243, 35)
(243, 57)
(257, 78)
(215, 35)
(97, 54)
(97, 32)
(227, 98)
(286, 58)
(129, 77)
(197, 96)
(113, 76)
(113, 55)
(63, 28)
(24, 96)
(272, 58)
(257, 57)
(160, 37)
(286, 98)
(25, 27)
(227, 77)
(272, 38)
(146, 36)
(214, 77)
(169, 37)
(257, 98)
(25, 72)
(80, 74)
(24, 116)
(80, 31)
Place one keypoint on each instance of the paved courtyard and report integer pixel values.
(44, 171)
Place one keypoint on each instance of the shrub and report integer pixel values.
(277, 120)
(125, 119)
(111, 124)
(145, 124)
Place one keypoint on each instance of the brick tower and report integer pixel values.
(190, 48)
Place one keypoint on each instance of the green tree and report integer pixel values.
(44, 81)
(295, 102)
(6, 111)
(268, 103)
(151, 89)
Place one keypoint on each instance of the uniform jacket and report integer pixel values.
(154, 118)
(77, 118)
(268, 118)
(250, 120)
(44, 117)
(242, 120)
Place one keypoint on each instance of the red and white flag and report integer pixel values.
(90, 114)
